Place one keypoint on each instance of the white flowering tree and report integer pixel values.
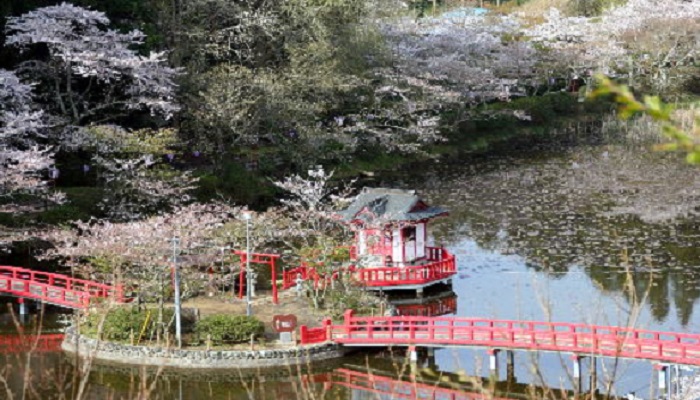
(133, 252)
(650, 45)
(470, 59)
(467, 57)
(90, 74)
(134, 169)
(308, 224)
(23, 163)
(87, 80)
(138, 254)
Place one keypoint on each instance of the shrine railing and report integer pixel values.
(440, 265)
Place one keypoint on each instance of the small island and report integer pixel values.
(389, 251)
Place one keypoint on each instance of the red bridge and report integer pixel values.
(586, 340)
(57, 289)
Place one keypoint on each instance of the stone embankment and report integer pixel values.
(111, 352)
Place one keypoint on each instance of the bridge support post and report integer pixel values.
(576, 359)
(412, 355)
(430, 357)
(662, 378)
(23, 309)
(493, 362)
(593, 385)
(510, 366)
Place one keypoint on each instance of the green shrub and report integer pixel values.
(62, 214)
(229, 328)
(234, 181)
(590, 8)
(119, 323)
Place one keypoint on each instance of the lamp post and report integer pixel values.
(247, 216)
(178, 326)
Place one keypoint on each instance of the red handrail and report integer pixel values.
(681, 348)
(441, 265)
(315, 335)
(55, 288)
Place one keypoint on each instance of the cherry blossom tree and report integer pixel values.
(621, 43)
(91, 74)
(23, 163)
(138, 253)
(134, 169)
(88, 78)
(308, 224)
(468, 57)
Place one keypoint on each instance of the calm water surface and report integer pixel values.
(605, 235)
(598, 234)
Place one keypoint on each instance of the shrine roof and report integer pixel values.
(389, 205)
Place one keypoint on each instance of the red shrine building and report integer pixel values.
(391, 240)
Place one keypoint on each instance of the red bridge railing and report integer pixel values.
(54, 288)
(441, 265)
(680, 348)
(315, 335)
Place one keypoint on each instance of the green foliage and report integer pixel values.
(142, 141)
(13, 220)
(350, 298)
(542, 108)
(628, 106)
(229, 328)
(324, 255)
(120, 323)
(590, 8)
(62, 214)
(290, 66)
(236, 183)
(82, 203)
(340, 254)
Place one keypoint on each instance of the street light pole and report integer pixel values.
(249, 306)
(178, 309)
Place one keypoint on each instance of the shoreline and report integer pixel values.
(137, 355)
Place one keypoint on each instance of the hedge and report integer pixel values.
(229, 328)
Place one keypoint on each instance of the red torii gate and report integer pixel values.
(258, 258)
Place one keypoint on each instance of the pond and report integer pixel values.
(601, 234)
(604, 234)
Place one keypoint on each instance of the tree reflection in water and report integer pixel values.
(609, 209)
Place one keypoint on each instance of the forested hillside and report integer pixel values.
(122, 110)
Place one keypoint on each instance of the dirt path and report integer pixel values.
(263, 309)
